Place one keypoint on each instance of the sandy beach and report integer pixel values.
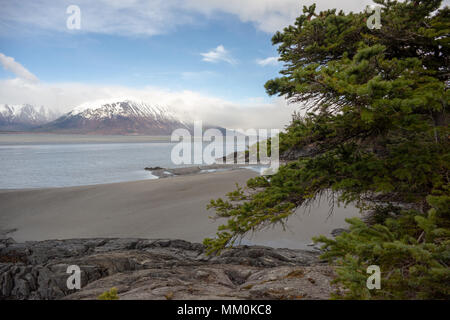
(167, 208)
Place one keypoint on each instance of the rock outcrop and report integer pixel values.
(159, 269)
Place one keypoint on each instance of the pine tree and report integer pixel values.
(375, 127)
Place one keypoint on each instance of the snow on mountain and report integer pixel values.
(22, 117)
(102, 109)
(122, 116)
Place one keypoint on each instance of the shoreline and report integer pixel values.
(161, 173)
(158, 174)
(163, 208)
(146, 208)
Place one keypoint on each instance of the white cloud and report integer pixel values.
(266, 15)
(270, 61)
(20, 71)
(127, 17)
(218, 54)
(150, 17)
(63, 97)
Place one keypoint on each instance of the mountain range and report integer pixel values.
(124, 117)
(24, 117)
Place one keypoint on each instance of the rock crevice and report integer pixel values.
(158, 269)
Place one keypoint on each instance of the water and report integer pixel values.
(61, 161)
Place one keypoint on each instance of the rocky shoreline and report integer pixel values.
(173, 172)
(159, 269)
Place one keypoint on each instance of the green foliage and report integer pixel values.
(374, 133)
(109, 295)
(412, 251)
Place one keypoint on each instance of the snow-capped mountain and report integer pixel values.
(117, 117)
(23, 117)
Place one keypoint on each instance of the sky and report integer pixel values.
(207, 57)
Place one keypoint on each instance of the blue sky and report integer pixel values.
(173, 60)
(203, 56)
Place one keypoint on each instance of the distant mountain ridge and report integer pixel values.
(24, 117)
(100, 117)
(124, 117)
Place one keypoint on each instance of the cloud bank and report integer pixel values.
(63, 97)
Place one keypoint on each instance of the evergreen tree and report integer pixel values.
(375, 106)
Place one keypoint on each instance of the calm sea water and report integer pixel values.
(28, 161)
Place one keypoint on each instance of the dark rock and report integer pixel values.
(151, 269)
(154, 168)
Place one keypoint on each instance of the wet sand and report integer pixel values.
(167, 208)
